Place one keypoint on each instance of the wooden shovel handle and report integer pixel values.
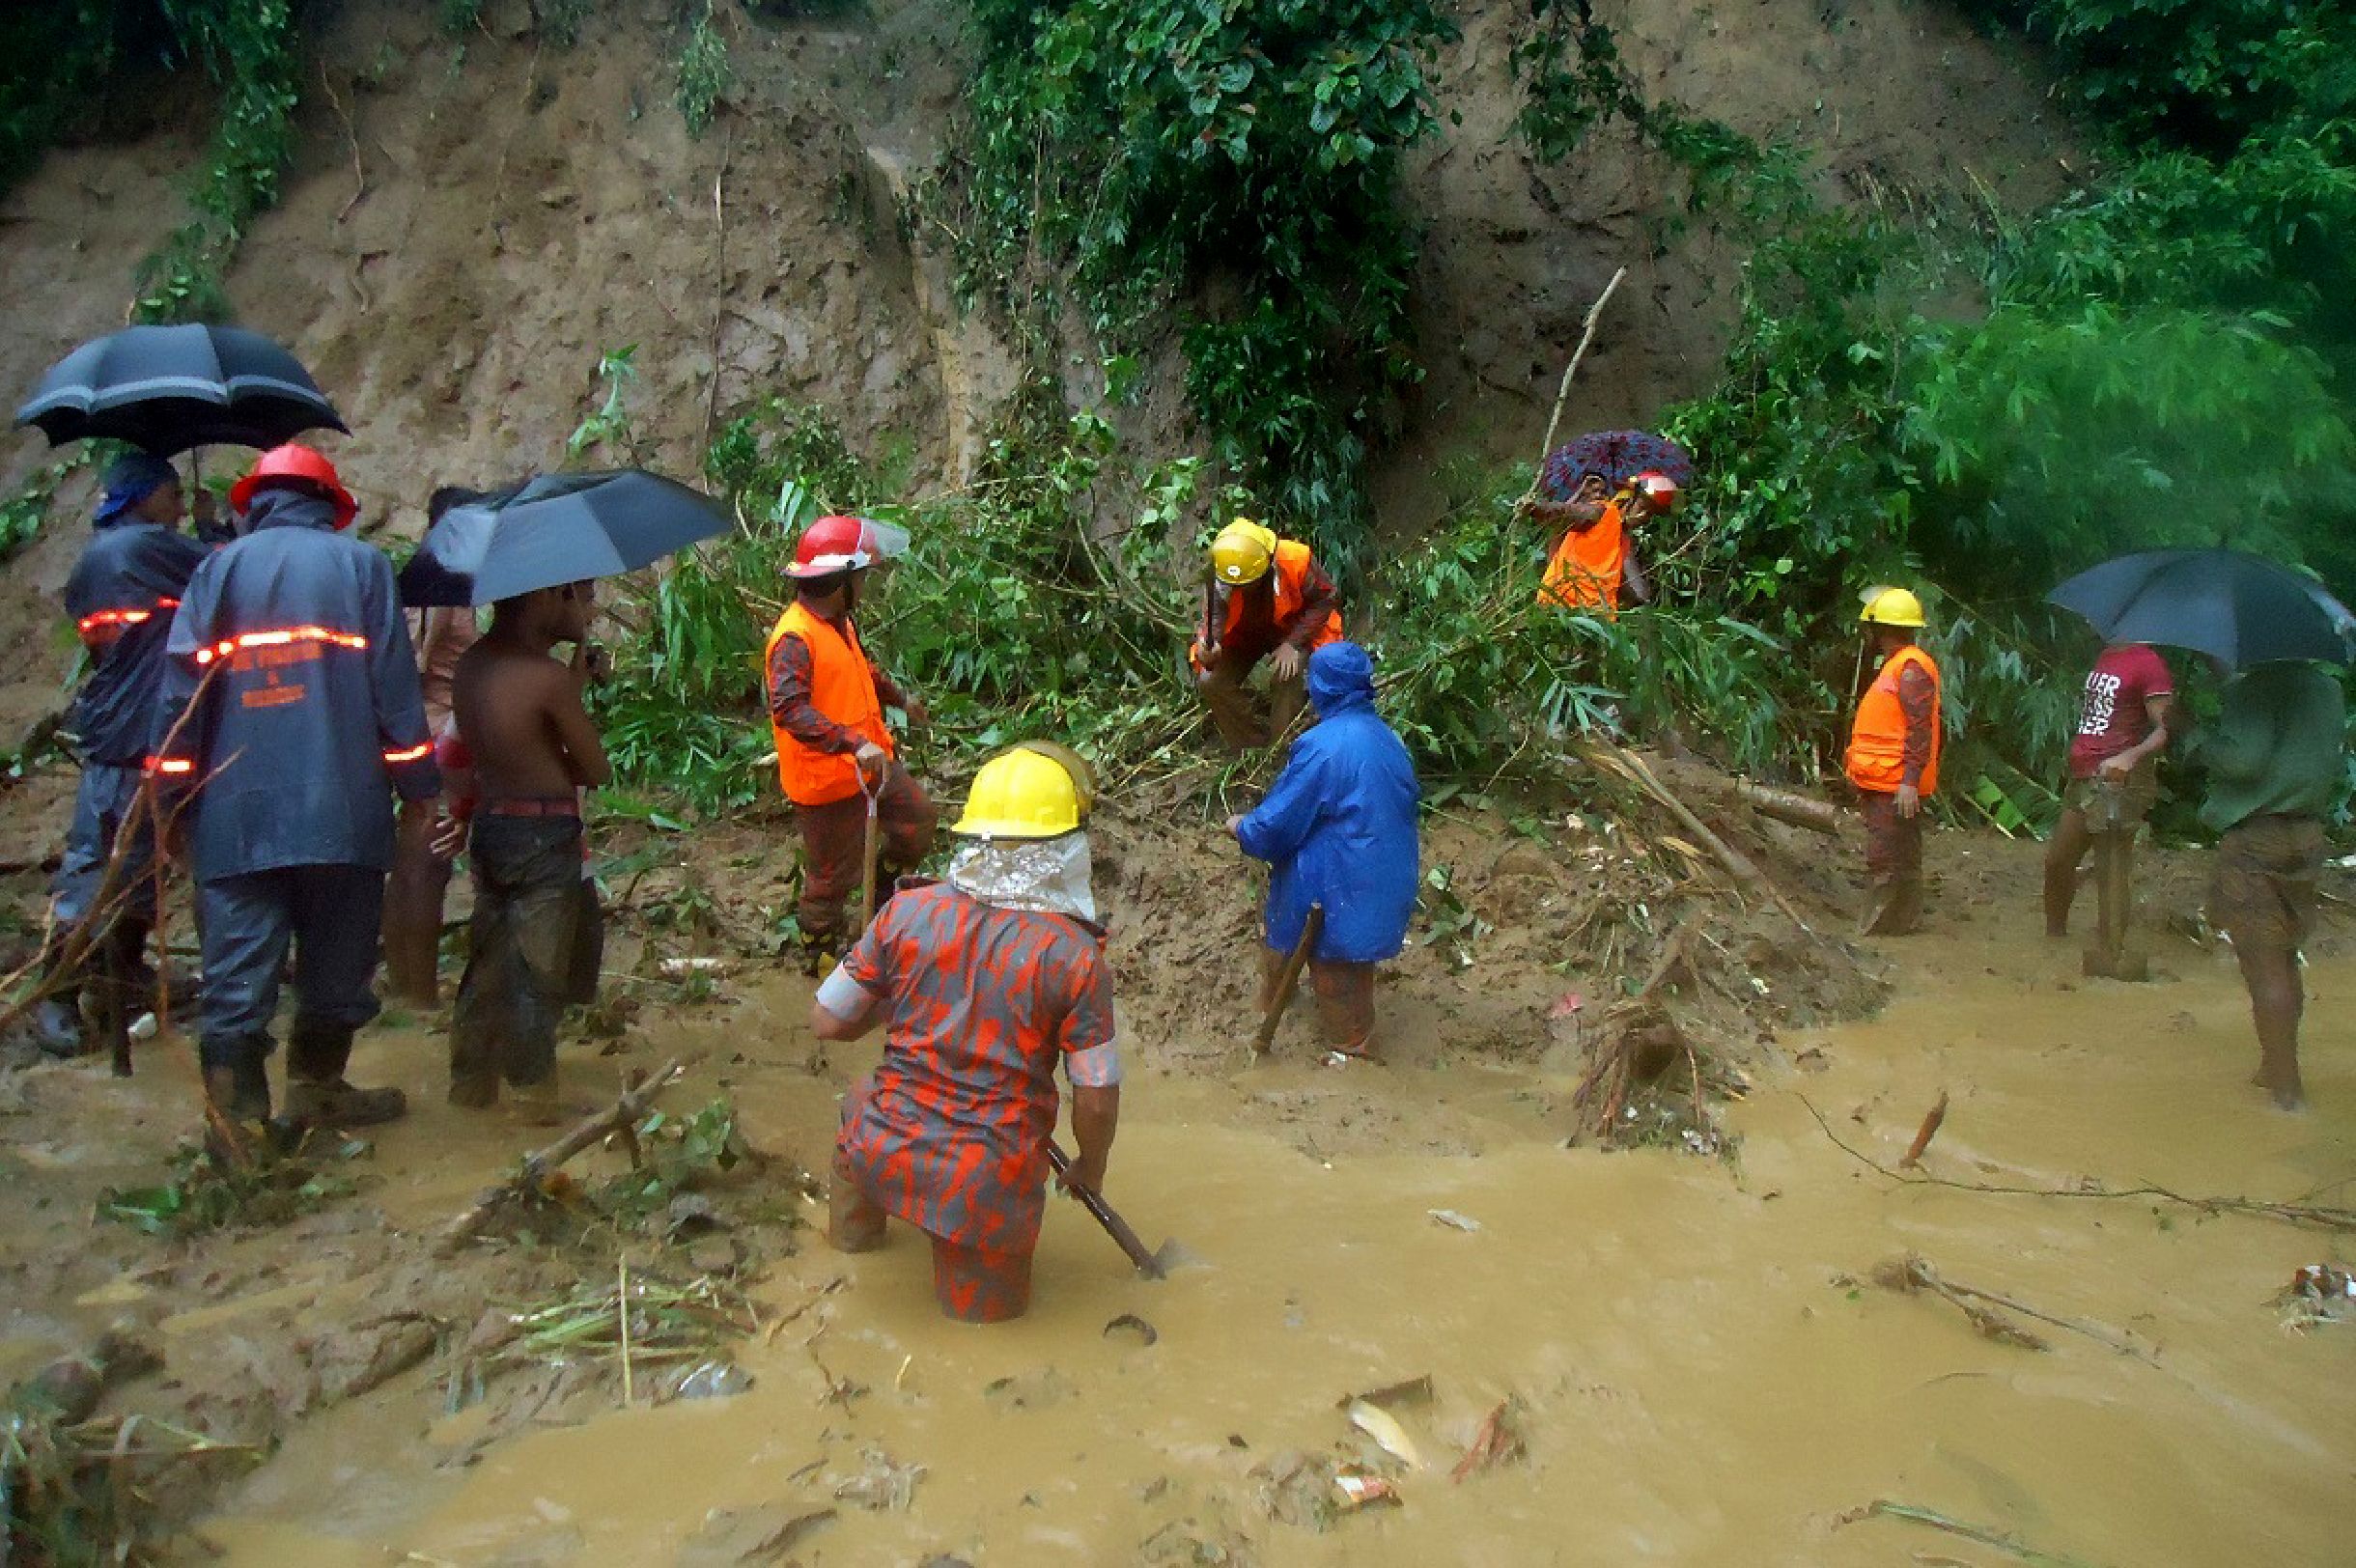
(1290, 977)
(1114, 1225)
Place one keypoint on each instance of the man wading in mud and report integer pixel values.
(291, 661)
(983, 983)
(526, 737)
(2274, 768)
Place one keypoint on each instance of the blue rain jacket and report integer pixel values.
(122, 595)
(313, 709)
(1338, 826)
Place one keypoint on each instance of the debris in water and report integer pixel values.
(1385, 1429)
(1455, 1221)
(1928, 1131)
(1418, 1390)
(2319, 1293)
(690, 1214)
(1137, 1328)
(883, 1485)
(1355, 1489)
(1499, 1441)
(680, 968)
(717, 1378)
(734, 1536)
(1883, 1507)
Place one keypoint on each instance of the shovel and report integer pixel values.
(1152, 1265)
(874, 849)
(1287, 979)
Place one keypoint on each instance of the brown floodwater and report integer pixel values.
(1697, 1383)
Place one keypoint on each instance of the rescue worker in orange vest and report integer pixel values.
(1596, 559)
(1893, 759)
(835, 755)
(1266, 598)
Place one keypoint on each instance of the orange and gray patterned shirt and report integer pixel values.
(981, 1003)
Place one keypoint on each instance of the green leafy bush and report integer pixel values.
(705, 73)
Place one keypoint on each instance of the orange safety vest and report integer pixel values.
(1588, 566)
(1292, 565)
(843, 688)
(1877, 740)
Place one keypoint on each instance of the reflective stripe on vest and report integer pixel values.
(842, 688)
(1586, 568)
(1877, 741)
(1292, 569)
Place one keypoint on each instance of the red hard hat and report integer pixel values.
(1658, 488)
(838, 544)
(295, 461)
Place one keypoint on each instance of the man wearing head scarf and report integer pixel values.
(1337, 830)
(122, 595)
(984, 984)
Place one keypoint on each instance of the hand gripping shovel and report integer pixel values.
(1152, 1265)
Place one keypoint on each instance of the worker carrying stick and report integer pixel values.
(1266, 598)
(826, 710)
(984, 984)
(1337, 830)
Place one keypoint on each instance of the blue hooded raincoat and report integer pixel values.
(1338, 826)
(314, 717)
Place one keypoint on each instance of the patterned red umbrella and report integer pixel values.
(1619, 455)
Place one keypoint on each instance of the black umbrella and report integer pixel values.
(2241, 609)
(556, 529)
(170, 388)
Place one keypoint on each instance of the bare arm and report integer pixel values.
(584, 752)
(1096, 1115)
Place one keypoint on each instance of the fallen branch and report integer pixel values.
(1783, 805)
(1915, 1272)
(2321, 1216)
(1930, 1130)
(1884, 1508)
(619, 1117)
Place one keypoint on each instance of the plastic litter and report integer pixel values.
(1455, 1221)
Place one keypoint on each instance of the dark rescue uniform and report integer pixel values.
(312, 710)
(122, 596)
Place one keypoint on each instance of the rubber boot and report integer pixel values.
(239, 1092)
(317, 1092)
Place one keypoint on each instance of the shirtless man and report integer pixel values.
(523, 729)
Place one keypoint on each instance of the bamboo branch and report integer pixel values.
(1562, 396)
(2321, 1217)
(623, 1113)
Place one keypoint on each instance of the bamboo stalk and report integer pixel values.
(1562, 396)
(621, 1305)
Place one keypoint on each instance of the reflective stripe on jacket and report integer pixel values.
(843, 688)
(291, 660)
(1588, 566)
(1293, 562)
(122, 596)
(1877, 740)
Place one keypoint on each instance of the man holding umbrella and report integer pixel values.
(836, 759)
(122, 596)
(2274, 753)
(290, 713)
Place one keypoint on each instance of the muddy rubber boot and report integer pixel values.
(318, 1094)
(241, 1095)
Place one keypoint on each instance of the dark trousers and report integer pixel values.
(1236, 712)
(330, 915)
(102, 804)
(1894, 866)
(532, 951)
(833, 848)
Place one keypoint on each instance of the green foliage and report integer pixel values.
(202, 1194)
(705, 73)
(608, 426)
(1244, 157)
(459, 18)
(1573, 80)
(53, 57)
(249, 48)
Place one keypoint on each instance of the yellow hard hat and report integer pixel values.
(1025, 792)
(1242, 551)
(1892, 606)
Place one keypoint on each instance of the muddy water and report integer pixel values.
(1699, 1386)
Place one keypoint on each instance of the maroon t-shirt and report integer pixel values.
(2113, 717)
